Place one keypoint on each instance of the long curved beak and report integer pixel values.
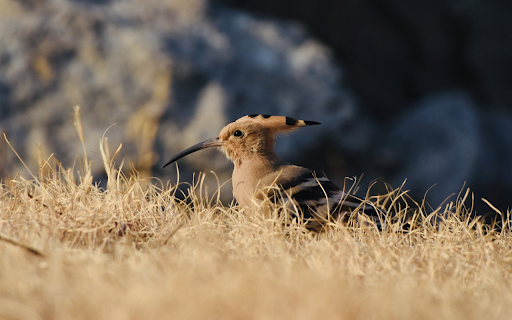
(215, 142)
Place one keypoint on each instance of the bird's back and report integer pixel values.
(317, 198)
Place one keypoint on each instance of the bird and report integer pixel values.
(260, 173)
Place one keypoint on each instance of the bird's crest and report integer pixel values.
(276, 123)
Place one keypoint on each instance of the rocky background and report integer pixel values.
(405, 90)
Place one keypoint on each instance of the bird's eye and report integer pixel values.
(238, 133)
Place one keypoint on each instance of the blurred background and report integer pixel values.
(404, 90)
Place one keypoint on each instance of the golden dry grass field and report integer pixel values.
(70, 250)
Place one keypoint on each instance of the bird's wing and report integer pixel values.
(317, 197)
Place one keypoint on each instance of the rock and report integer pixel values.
(437, 145)
(446, 143)
(168, 76)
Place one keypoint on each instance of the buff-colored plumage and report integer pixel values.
(253, 153)
(249, 143)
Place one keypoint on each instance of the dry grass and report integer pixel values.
(135, 251)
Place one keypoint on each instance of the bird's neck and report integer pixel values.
(250, 170)
(259, 164)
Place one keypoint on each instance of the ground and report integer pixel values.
(137, 249)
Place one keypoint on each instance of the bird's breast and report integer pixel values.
(248, 175)
(244, 185)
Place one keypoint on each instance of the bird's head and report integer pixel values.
(248, 136)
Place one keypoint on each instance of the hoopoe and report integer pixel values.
(249, 144)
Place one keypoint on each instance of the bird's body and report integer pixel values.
(249, 143)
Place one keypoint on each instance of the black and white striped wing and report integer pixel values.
(319, 198)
